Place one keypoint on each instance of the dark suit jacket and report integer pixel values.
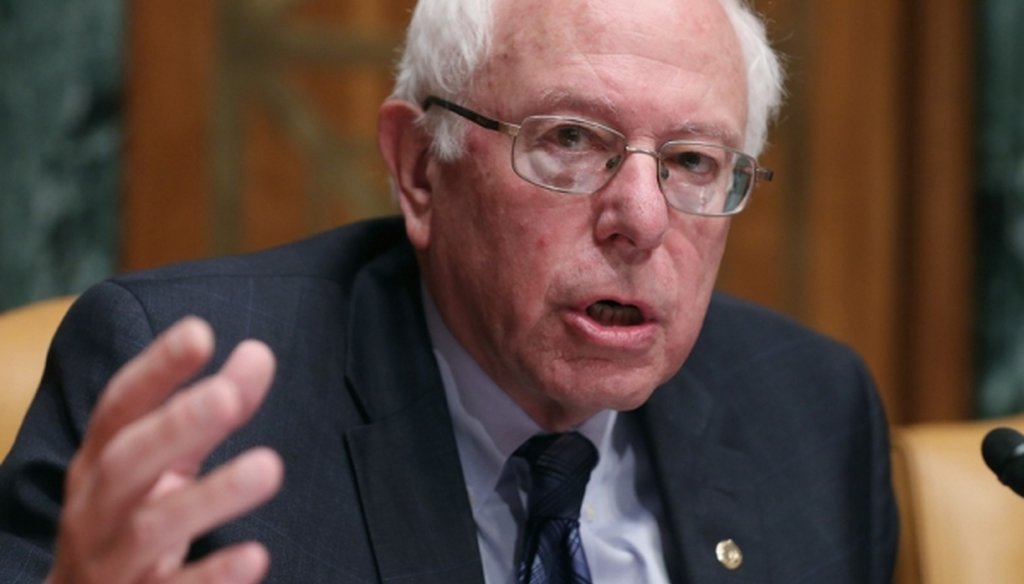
(770, 435)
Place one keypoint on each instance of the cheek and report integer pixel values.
(696, 252)
(706, 239)
(541, 243)
(713, 250)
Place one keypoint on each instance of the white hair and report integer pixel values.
(447, 41)
(764, 73)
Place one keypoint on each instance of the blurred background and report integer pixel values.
(135, 133)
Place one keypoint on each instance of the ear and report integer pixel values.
(405, 146)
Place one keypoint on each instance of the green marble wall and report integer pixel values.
(1000, 355)
(60, 85)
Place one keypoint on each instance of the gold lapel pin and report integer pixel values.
(729, 554)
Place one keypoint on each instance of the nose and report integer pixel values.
(632, 214)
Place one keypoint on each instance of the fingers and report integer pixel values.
(142, 384)
(245, 563)
(225, 494)
(228, 492)
(180, 434)
(134, 501)
(250, 365)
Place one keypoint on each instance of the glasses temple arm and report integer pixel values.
(476, 118)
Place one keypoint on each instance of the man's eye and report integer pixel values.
(695, 162)
(572, 137)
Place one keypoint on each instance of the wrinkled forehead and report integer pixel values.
(665, 30)
(635, 46)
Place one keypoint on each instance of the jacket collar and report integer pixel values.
(706, 483)
(410, 480)
(405, 459)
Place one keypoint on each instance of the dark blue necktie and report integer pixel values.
(560, 466)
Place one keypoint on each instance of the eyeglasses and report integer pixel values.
(576, 156)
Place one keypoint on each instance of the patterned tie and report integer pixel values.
(560, 466)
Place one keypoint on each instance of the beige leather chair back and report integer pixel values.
(959, 524)
(25, 335)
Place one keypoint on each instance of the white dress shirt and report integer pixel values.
(618, 520)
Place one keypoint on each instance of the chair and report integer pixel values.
(959, 524)
(25, 334)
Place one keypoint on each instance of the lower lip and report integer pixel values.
(629, 338)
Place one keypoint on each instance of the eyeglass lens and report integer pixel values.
(576, 156)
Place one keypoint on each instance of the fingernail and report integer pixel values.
(249, 475)
(176, 341)
(247, 564)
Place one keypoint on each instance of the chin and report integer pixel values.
(611, 391)
(630, 400)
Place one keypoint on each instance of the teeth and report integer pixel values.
(611, 313)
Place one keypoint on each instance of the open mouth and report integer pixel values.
(611, 313)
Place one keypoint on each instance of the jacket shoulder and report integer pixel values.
(737, 332)
(331, 255)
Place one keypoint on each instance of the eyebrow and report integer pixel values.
(561, 99)
(715, 131)
(553, 99)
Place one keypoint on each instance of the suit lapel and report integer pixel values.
(410, 481)
(414, 499)
(405, 459)
(706, 484)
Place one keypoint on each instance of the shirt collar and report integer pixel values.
(489, 425)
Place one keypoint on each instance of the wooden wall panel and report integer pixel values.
(854, 184)
(165, 210)
(252, 123)
(941, 206)
(866, 233)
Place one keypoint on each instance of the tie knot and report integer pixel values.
(560, 466)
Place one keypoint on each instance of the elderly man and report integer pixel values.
(527, 378)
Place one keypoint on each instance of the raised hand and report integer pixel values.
(134, 499)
